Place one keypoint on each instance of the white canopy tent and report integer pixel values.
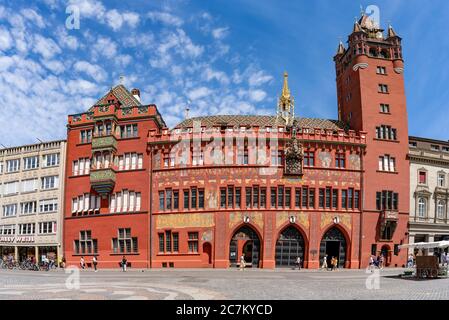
(426, 245)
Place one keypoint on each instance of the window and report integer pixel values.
(168, 242)
(357, 200)
(445, 149)
(441, 209)
(387, 163)
(309, 159)
(86, 136)
(321, 198)
(27, 228)
(193, 242)
(412, 144)
(441, 180)
(29, 207)
(381, 70)
(311, 198)
(200, 198)
(384, 108)
(85, 244)
(256, 197)
(280, 197)
(344, 199)
(340, 160)
(273, 197)
(175, 199)
(263, 197)
(30, 163)
(12, 165)
(29, 185)
(128, 131)
(248, 194)
(288, 197)
(386, 133)
(50, 182)
(81, 167)
(161, 200)
(335, 198)
(132, 161)
(193, 198)
(328, 197)
(422, 177)
(124, 243)
(10, 210)
(383, 88)
(49, 205)
(8, 229)
(434, 147)
(1, 167)
(51, 160)
(422, 207)
(10, 188)
(186, 199)
(223, 198)
(297, 197)
(305, 197)
(48, 227)
(387, 200)
(238, 197)
(230, 203)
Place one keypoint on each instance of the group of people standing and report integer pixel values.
(123, 263)
(376, 262)
(332, 264)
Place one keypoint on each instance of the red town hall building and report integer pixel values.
(270, 188)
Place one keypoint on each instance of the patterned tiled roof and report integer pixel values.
(123, 95)
(261, 121)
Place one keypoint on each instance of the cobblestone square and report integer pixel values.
(211, 284)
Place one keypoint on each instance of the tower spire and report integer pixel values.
(286, 108)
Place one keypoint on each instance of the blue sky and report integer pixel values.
(224, 56)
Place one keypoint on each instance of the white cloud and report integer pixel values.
(220, 33)
(81, 86)
(45, 47)
(199, 93)
(55, 66)
(105, 47)
(116, 19)
(220, 76)
(96, 72)
(89, 8)
(257, 95)
(259, 78)
(34, 17)
(5, 39)
(165, 18)
(65, 40)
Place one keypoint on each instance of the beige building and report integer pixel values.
(31, 200)
(429, 193)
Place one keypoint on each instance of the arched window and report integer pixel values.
(422, 207)
(441, 209)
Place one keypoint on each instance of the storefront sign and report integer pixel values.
(25, 239)
(7, 239)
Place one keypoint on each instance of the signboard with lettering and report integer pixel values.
(18, 239)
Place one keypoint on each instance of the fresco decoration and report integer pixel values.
(185, 220)
(302, 219)
(325, 159)
(354, 160)
(236, 218)
(327, 218)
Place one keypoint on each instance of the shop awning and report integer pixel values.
(426, 245)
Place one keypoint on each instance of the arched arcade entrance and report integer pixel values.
(289, 246)
(333, 244)
(245, 241)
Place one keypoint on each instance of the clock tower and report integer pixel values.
(371, 98)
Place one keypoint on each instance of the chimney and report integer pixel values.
(136, 94)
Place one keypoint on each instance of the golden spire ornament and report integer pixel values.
(286, 105)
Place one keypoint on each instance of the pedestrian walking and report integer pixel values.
(298, 262)
(124, 263)
(335, 264)
(63, 262)
(371, 263)
(410, 261)
(382, 262)
(94, 262)
(242, 262)
(82, 263)
(324, 265)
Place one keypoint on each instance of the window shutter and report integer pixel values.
(140, 162)
(138, 201)
(112, 206)
(80, 203)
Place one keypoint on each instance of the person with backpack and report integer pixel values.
(82, 263)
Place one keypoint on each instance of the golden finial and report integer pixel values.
(286, 102)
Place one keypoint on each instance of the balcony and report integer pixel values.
(102, 180)
(104, 143)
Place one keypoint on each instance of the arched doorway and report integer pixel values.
(245, 241)
(289, 246)
(207, 253)
(333, 244)
(386, 253)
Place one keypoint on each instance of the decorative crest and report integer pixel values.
(294, 155)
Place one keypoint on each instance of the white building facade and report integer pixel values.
(31, 200)
(429, 190)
